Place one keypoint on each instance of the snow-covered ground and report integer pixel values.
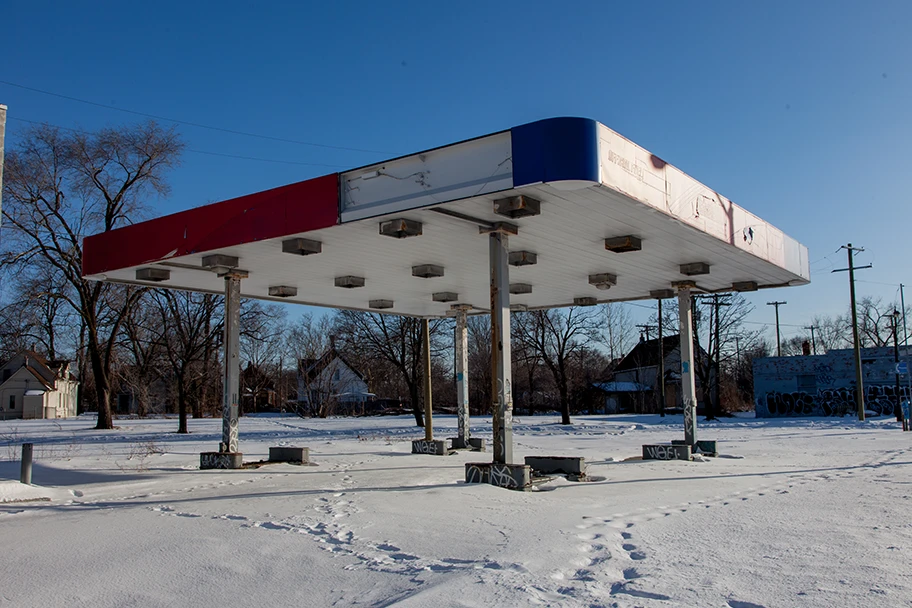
(812, 512)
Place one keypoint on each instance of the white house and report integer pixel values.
(329, 381)
(31, 387)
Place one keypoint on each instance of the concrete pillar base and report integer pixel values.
(289, 454)
(574, 467)
(704, 447)
(435, 447)
(511, 476)
(664, 451)
(476, 444)
(221, 460)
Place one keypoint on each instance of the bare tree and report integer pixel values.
(185, 321)
(480, 383)
(831, 332)
(262, 336)
(557, 335)
(873, 329)
(141, 363)
(310, 339)
(61, 186)
(394, 339)
(617, 330)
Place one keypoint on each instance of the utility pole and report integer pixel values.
(902, 302)
(859, 386)
(897, 409)
(778, 340)
(646, 329)
(2, 138)
(813, 343)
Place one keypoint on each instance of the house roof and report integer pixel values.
(44, 371)
(313, 367)
(646, 353)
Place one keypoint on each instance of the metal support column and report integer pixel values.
(462, 379)
(426, 379)
(501, 372)
(661, 374)
(688, 382)
(230, 400)
(2, 138)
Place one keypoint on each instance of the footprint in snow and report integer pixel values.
(633, 552)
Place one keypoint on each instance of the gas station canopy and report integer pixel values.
(591, 218)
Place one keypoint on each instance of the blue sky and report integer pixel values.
(798, 111)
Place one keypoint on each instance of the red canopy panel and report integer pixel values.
(298, 207)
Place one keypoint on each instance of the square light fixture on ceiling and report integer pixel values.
(400, 228)
(156, 275)
(301, 246)
(220, 261)
(662, 294)
(380, 304)
(745, 286)
(585, 301)
(623, 244)
(349, 282)
(427, 271)
(603, 280)
(523, 258)
(517, 206)
(520, 288)
(283, 291)
(694, 269)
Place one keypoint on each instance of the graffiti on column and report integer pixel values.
(660, 452)
(881, 399)
(477, 474)
(423, 446)
(215, 461)
(502, 475)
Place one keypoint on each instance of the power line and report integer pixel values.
(193, 124)
(195, 151)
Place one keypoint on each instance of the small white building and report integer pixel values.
(330, 381)
(32, 387)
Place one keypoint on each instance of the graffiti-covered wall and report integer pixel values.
(824, 385)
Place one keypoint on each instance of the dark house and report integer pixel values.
(632, 386)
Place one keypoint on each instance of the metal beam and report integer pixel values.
(232, 364)
(426, 379)
(501, 372)
(462, 378)
(2, 139)
(688, 382)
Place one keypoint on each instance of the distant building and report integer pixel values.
(32, 387)
(258, 392)
(631, 386)
(824, 385)
(331, 383)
